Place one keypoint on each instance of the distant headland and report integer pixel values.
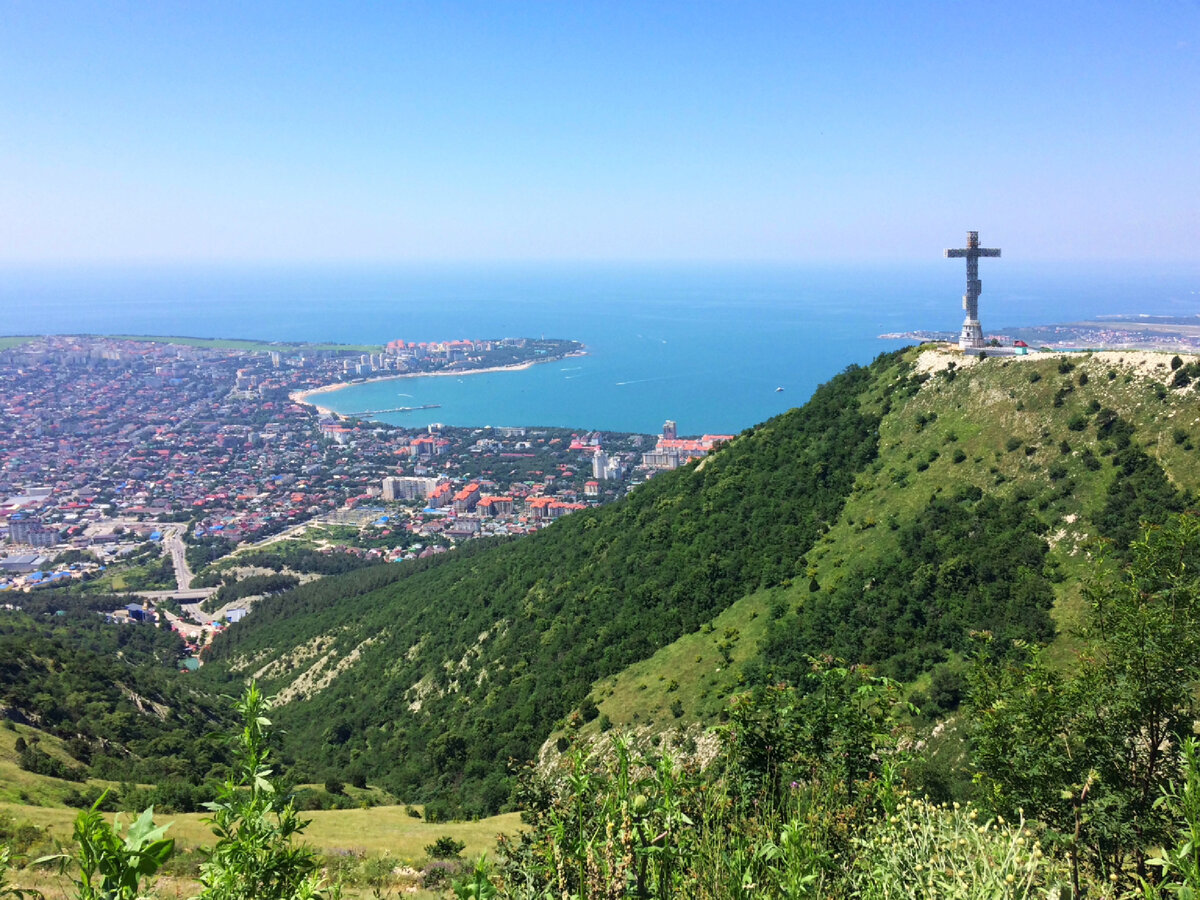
(1117, 332)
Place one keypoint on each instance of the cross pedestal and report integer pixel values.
(972, 334)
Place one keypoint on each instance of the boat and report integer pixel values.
(778, 389)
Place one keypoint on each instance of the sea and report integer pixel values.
(716, 348)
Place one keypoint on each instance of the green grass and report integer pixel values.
(14, 341)
(25, 788)
(690, 670)
(39, 800)
(379, 830)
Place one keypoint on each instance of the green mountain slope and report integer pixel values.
(437, 674)
(905, 505)
(989, 486)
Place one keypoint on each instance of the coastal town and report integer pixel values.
(143, 469)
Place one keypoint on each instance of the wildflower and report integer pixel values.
(1009, 879)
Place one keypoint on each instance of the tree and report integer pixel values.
(1092, 752)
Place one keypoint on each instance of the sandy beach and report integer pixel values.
(303, 396)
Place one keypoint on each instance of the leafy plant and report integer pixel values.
(7, 888)
(112, 867)
(254, 857)
(1180, 863)
(927, 850)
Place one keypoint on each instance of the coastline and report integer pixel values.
(302, 397)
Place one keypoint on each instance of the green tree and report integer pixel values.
(1092, 752)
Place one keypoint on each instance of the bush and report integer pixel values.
(927, 851)
(588, 709)
(445, 847)
(441, 872)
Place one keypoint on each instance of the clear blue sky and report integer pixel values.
(570, 130)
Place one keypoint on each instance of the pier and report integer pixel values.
(395, 409)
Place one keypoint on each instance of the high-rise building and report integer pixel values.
(669, 430)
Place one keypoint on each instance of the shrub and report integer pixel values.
(445, 847)
(927, 850)
(441, 872)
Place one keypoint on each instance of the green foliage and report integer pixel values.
(109, 691)
(1090, 752)
(34, 759)
(961, 566)
(1179, 863)
(926, 851)
(445, 847)
(479, 885)
(249, 587)
(7, 888)
(254, 857)
(112, 866)
(777, 815)
(1140, 492)
(521, 630)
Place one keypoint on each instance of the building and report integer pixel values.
(408, 488)
(466, 499)
(670, 453)
(606, 468)
(27, 529)
(495, 506)
(441, 495)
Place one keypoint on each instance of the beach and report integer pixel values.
(302, 397)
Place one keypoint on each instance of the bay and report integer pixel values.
(705, 345)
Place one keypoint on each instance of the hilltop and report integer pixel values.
(907, 504)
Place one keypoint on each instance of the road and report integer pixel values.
(173, 544)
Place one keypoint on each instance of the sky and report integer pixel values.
(692, 131)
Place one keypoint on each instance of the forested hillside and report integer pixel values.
(110, 693)
(429, 677)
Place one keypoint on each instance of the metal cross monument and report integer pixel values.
(972, 334)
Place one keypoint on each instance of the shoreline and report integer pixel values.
(302, 397)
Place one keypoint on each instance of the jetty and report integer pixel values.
(395, 409)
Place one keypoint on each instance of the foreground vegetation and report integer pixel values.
(1084, 783)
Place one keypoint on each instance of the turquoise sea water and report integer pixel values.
(707, 346)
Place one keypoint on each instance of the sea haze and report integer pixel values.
(706, 346)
